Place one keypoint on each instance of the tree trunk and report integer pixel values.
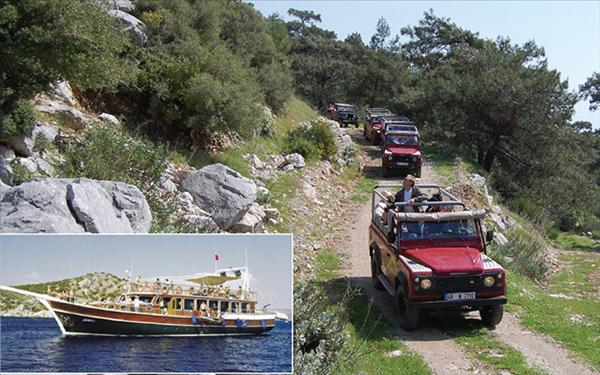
(490, 156)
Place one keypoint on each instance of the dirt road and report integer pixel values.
(440, 351)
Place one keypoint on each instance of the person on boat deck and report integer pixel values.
(157, 285)
(163, 306)
(191, 291)
(136, 304)
(71, 296)
(202, 309)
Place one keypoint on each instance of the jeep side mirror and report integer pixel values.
(489, 235)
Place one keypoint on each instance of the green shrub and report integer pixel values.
(19, 120)
(320, 337)
(524, 252)
(21, 173)
(108, 154)
(316, 142)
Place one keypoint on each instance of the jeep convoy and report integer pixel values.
(434, 257)
(341, 113)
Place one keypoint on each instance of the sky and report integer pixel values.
(569, 31)
(32, 259)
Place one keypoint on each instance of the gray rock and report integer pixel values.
(248, 224)
(262, 193)
(38, 206)
(51, 106)
(107, 117)
(7, 153)
(168, 185)
(296, 160)
(73, 118)
(288, 168)
(73, 206)
(498, 222)
(3, 189)
(62, 90)
(93, 207)
(29, 164)
(125, 5)
(132, 202)
(47, 132)
(477, 180)
(500, 239)
(203, 224)
(44, 167)
(21, 144)
(271, 213)
(222, 192)
(256, 162)
(6, 172)
(130, 25)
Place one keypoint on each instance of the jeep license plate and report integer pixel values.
(402, 163)
(459, 296)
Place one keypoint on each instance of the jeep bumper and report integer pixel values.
(479, 302)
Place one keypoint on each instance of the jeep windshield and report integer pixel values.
(402, 140)
(400, 128)
(434, 230)
(345, 108)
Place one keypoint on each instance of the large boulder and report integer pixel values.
(73, 206)
(38, 206)
(6, 172)
(93, 206)
(73, 118)
(131, 25)
(132, 202)
(62, 90)
(222, 192)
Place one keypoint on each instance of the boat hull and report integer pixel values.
(82, 325)
(75, 319)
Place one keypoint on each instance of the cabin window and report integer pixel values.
(244, 307)
(177, 303)
(199, 304)
(188, 304)
(147, 299)
(224, 306)
(213, 305)
(234, 307)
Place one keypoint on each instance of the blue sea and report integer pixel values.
(37, 345)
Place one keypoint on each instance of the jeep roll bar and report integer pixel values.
(453, 200)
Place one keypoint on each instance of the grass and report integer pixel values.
(570, 240)
(481, 345)
(328, 262)
(371, 338)
(447, 157)
(573, 322)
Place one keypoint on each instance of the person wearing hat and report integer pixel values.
(409, 193)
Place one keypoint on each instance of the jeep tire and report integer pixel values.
(491, 315)
(408, 317)
(375, 271)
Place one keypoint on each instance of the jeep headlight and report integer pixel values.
(489, 281)
(425, 283)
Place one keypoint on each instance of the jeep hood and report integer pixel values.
(403, 150)
(448, 260)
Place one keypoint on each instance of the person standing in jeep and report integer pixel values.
(409, 194)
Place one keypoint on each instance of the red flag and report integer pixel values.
(216, 257)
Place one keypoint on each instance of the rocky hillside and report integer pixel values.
(89, 287)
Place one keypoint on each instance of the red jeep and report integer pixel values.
(401, 151)
(434, 260)
(373, 121)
